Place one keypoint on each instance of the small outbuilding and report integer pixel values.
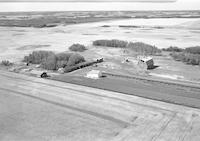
(146, 62)
(94, 74)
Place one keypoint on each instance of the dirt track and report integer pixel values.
(38, 109)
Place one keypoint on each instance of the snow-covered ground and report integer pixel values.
(18, 41)
(61, 37)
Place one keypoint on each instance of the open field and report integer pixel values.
(111, 108)
(39, 109)
(159, 29)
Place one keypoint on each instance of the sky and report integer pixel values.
(98, 6)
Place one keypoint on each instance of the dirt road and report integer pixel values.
(38, 109)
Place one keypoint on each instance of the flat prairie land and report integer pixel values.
(40, 109)
(17, 41)
(115, 109)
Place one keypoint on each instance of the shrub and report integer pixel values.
(178, 56)
(6, 63)
(111, 43)
(37, 57)
(75, 59)
(193, 59)
(77, 47)
(143, 48)
(193, 50)
(173, 49)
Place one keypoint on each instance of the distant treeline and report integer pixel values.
(138, 47)
(190, 55)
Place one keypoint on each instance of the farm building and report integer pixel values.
(146, 62)
(94, 74)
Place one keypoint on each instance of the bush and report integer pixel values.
(75, 59)
(173, 49)
(193, 59)
(193, 50)
(37, 57)
(143, 48)
(111, 43)
(77, 47)
(6, 63)
(178, 56)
